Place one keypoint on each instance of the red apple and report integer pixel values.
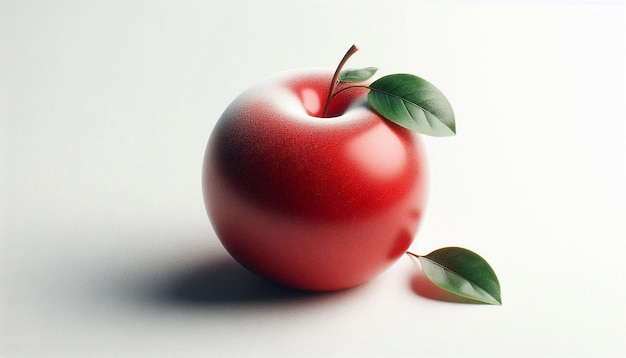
(312, 202)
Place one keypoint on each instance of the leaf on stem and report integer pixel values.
(463, 273)
(356, 75)
(413, 103)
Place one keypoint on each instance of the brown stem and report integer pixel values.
(412, 254)
(333, 83)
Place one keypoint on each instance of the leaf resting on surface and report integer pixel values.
(463, 273)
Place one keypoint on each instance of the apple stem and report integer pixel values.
(335, 80)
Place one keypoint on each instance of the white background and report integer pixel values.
(105, 109)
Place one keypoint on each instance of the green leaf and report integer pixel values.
(356, 75)
(413, 103)
(463, 273)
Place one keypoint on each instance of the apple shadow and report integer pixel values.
(224, 282)
(422, 286)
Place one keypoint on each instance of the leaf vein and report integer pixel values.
(444, 269)
(404, 100)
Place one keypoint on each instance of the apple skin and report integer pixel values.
(308, 202)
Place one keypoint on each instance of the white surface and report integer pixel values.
(105, 109)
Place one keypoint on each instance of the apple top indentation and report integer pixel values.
(311, 101)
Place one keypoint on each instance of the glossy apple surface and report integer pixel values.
(309, 202)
